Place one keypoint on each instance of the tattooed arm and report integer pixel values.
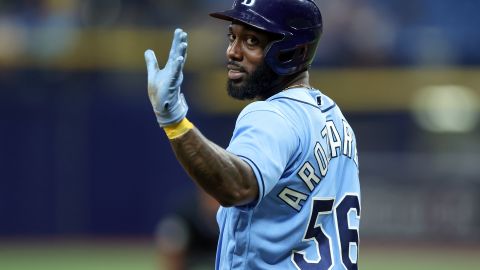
(226, 177)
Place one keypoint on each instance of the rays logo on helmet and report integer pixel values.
(248, 2)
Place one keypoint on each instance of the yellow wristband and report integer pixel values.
(176, 130)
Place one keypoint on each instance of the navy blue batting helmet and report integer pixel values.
(298, 22)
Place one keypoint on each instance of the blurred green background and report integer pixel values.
(125, 254)
(88, 180)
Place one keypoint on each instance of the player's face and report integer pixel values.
(248, 75)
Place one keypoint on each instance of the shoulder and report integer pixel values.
(264, 119)
(298, 98)
(261, 107)
(272, 115)
(264, 115)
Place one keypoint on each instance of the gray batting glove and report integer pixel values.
(168, 103)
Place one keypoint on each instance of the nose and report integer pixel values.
(234, 51)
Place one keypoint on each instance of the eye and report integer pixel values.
(252, 41)
(231, 37)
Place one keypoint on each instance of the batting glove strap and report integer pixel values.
(172, 113)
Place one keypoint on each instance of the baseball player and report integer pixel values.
(288, 182)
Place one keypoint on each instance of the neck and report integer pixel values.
(284, 82)
(301, 78)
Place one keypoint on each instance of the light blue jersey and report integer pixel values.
(304, 156)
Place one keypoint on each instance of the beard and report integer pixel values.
(260, 83)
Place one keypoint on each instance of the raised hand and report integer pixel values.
(164, 93)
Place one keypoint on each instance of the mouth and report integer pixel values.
(235, 72)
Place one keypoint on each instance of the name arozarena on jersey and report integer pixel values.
(323, 155)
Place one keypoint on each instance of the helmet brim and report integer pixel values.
(248, 17)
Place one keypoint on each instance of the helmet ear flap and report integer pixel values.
(291, 60)
(286, 56)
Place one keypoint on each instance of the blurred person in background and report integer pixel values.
(187, 238)
(288, 182)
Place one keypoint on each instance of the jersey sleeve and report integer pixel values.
(267, 141)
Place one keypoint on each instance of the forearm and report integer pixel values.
(223, 175)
